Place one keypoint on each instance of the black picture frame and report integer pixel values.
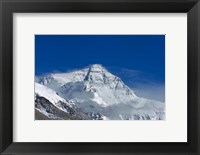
(8, 7)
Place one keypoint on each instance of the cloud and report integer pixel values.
(151, 91)
(144, 85)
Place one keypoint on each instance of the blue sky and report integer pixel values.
(137, 59)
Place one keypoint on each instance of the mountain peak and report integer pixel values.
(95, 89)
(98, 74)
(96, 67)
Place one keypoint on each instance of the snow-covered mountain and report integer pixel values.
(97, 94)
(52, 106)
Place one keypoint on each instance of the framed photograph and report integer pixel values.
(104, 77)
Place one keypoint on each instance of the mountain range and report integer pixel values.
(91, 93)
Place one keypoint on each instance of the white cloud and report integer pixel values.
(151, 91)
(145, 85)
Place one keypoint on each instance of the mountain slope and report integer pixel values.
(44, 109)
(94, 90)
(49, 105)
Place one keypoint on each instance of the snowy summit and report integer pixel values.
(94, 93)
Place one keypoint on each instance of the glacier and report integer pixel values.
(93, 93)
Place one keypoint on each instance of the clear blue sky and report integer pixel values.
(144, 53)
